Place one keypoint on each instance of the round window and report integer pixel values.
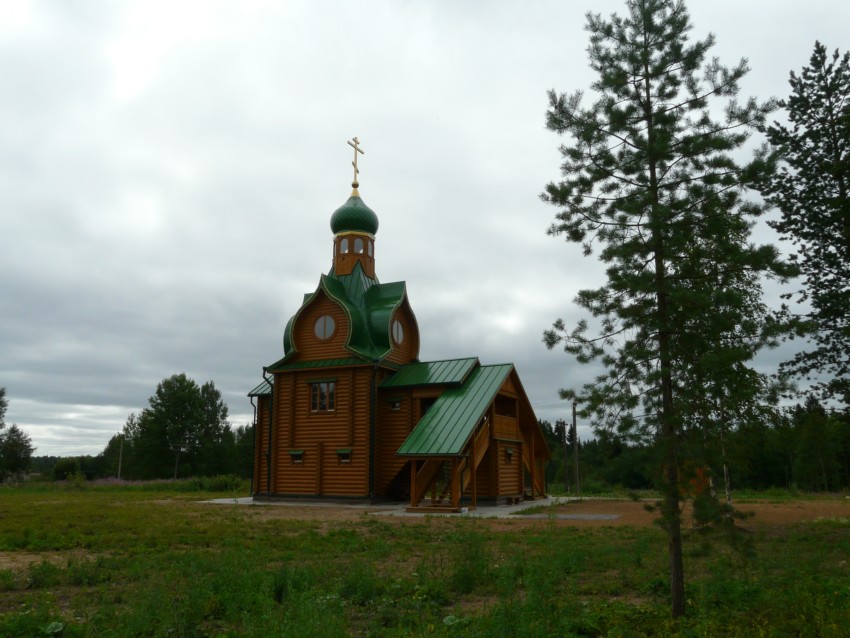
(398, 332)
(324, 327)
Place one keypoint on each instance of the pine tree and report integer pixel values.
(812, 191)
(649, 177)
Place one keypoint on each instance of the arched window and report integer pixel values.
(324, 327)
(358, 246)
(398, 332)
(369, 245)
(343, 246)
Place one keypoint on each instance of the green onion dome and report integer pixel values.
(355, 216)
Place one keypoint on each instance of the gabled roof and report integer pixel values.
(448, 424)
(450, 372)
(368, 305)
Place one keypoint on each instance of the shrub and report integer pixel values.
(66, 468)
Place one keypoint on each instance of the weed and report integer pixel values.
(54, 628)
(471, 562)
(87, 572)
(290, 580)
(7, 580)
(44, 574)
(361, 584)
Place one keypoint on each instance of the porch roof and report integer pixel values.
(450, 372)
(448, 424)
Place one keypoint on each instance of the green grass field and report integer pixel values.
(119, 561)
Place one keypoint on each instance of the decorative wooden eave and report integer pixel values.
(369, 307)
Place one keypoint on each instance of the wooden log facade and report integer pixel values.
(350, 411)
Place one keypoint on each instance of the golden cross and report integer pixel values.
(355, 144)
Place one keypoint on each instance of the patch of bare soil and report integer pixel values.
(796, 511)
(20, 561)
(313, 512)
(583, 513)
(634, 513)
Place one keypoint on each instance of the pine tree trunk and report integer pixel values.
(669, 433)
(726, 483)
(672, 498)
(673, 522)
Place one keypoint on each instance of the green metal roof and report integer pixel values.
(381, 302)
(357, 283)
(448, 424)
(452, 372)
(305, 365)
(261, 390)
(369, 306)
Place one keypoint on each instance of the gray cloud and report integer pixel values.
(167, 173)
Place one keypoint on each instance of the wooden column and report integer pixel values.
(434, 492)
(455, 483)
(473, 480)
(533, 467)
(520, 454)
(413, 483)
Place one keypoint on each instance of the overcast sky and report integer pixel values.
(168, 170)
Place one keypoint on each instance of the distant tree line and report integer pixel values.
(805, 448)
(183, 432)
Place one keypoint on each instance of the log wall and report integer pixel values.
(393, 428)
(318, 469)
(409, 348)
(261, 434)
(506, 428)
(310, 347)
(509, 469)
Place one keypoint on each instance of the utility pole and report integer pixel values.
(575, 449)
(566, 457)
(120, 456)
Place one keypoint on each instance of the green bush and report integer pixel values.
(44, 574)
(65, 468)
(7, 580)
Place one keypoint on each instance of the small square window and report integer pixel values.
(296, 456)
(343, 455)
(395, 406)
(322, 396)
(509, 454)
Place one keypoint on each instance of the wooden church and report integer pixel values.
(351, 412)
